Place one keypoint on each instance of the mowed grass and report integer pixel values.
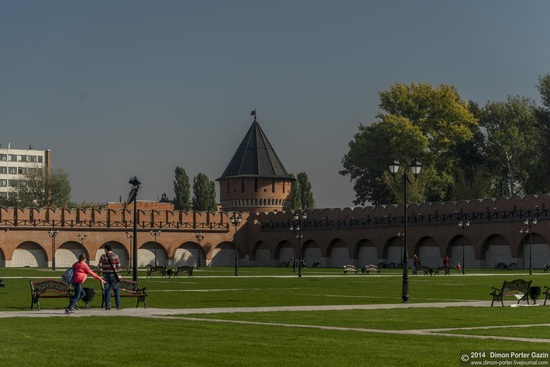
(273, 338)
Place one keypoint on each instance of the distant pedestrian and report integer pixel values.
(81, 272)
(416, 263)
(447, 262)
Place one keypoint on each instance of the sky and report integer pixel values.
(137, 88)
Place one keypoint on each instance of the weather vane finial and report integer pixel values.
(253, 113)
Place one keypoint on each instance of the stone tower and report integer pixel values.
(255, 179)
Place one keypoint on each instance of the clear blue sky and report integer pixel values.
(123, 88)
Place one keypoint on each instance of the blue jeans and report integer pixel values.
(111, 283)
(79, 293)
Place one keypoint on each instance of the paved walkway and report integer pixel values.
(156, 312)
(186, 314)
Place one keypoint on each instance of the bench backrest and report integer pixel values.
(49, 285)
(512, 287)
(159, 268)
(129, 286)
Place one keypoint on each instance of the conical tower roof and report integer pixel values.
(255, 157)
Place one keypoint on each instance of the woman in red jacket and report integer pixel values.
(81, 271)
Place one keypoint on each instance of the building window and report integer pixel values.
(40, 159)
(12, 170)
(13, 157)
(21, 158)
(272, 185)
(3, 157)
(3, 170)
(255, 184)
(32, 158)
(21, 171)
(12, 183)
(242, 184)
(3, 183)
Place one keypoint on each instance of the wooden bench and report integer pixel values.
(370, 268)
(156, 269)
(350, 269)
(128, 288)
(518, 288)
(48, 288)
(186, 269)
(445, 269)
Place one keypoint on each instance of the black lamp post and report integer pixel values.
(298, 221)
(129, 236)
(156, 234)
(53, 234)
(401, 235)
(415, 167)
(529, 231)
(199, 237)
(235, 221)
(132, 198)
(464, 226)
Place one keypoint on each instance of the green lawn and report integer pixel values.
(273, 338)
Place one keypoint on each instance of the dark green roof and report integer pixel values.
(255, 157)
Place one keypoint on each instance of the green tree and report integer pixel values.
(41, 187)
(417, 121)
(295, 198)
(182, 189)
(540, 182)
(512, 141)
(301, 195)
(306, 195)
(204, 191)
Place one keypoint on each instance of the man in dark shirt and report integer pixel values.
(108, 263)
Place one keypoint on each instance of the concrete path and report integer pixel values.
(186, 314)
(154, 312)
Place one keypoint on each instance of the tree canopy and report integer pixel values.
(41, 187)
(204, 191)
(467, 151)
(182, 189)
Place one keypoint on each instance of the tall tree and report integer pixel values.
(417, 121)
(301, 194)
(204, 191)
(182, 189)
(541, 176)
(306, 195)
(295, 199)
(512, 142)
(41, 187)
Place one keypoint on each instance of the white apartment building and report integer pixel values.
(15, 163)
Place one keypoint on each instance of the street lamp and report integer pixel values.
(401, 235)
(132, 198)
(464, 226)
(53, 234)
(199, 237)
(235, 221)
(129, 236)
(298, 221)
(82, 239)
(155, 233)
(529, 231)
(415, 167)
